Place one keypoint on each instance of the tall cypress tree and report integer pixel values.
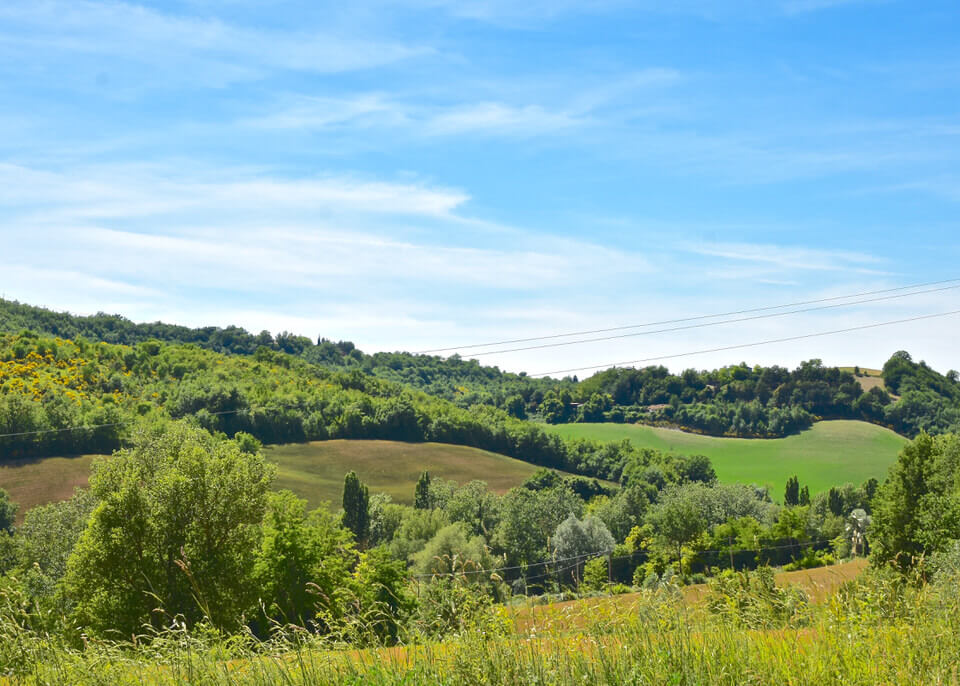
(835, 501)
(356, 507)
(791, 495)
(805, 495)
(421, 496)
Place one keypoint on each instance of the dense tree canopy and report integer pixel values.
(738, 400)
(916, 511)
(174, 527)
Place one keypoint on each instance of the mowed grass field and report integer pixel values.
(315, 470)
(828, 454)
(40, 481)
(311, 470)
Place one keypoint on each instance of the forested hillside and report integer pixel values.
(49, 387)
(465, 382)
(738, 400)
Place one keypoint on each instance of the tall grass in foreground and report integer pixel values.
(875, 631)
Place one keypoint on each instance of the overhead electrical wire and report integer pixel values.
(685, 319)
(598, 553)
(709, 324)
(749, 345)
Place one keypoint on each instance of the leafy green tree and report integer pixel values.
(577, 540)
(516, 407)
(594, 408)
(596, 574)
(735, 535)
(693, 468)
(476, 506)
(543, 479)
(804, 498)
(556, 407)
(677, 519)
(8, 552)
(303, 564)
(356, 507)
(622, 511)
(175, 527)
(385, 519)
(719, 503)
(8, 512)
(421, 495)
(529, 518)
(453, 549)
(916, 511)
(793, 524)
(381, 600)
(791, 495)
(415, 529)
(47, 537)
(248, 443)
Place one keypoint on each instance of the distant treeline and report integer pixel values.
(738, 400)
(763, 401)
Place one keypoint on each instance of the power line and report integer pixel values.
(749, 345)
(708, 324)
(685, 319)
(598, 553)
(508, 569)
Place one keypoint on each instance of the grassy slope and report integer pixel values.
(315, 470)
(828, 454)
(37, 482)
(312, 470)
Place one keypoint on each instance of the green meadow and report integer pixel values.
(830, 453)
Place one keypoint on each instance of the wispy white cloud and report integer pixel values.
(537, 12)
(266, 234)
(946, 187)
(510, 13)
(791, 258)
(556, 106)
(127, 191)
(360, 111)
(73, 279)
(181, 48)
(376, 111)
(492, 117)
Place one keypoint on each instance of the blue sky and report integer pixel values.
(412, 174)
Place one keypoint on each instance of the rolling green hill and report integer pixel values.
(313, 471)
(828, 454)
